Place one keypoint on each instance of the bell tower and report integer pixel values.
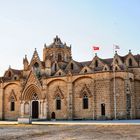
(57, 51)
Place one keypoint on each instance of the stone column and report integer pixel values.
(45, 101)
(45, 109)
(93, 99)
(70, 100)
(30, 109)
(41, 109)
(22, 108)
(109, 99)
(46, 106)
(1, 102)
(133, 111)
(129, 90)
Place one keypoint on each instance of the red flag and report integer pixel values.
(95, 48)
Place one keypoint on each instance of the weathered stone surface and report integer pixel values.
(34, 90)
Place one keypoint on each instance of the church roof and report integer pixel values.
(17, 72)
(58, 48)
(137, 57)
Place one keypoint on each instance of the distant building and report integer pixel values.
(60, 88)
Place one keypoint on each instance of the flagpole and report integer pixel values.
(114, 87)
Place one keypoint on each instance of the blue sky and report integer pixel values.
(28, 24)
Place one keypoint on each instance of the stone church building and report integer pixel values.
(59, 87)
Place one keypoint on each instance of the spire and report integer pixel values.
(35, 57)
(35, 50)
(45, 46)
(25, 62)
(129, 51)
(35, 54)
(57, 40)
(25, 59)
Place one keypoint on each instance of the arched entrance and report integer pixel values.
(53, 115)
(35, 108)
(33, 95)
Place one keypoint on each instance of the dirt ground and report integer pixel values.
(69, 132)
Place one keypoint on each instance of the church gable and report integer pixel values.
(130, 60)
(85, 70)
(106, 68)
(9, 73)
(72, 66)
(12, 74)
(55, 67)
(60, 72)
(32, 79)
(116, 67)
(117, 60)
(35, 60)
(96, 63)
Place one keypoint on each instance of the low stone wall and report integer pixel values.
(25, 120)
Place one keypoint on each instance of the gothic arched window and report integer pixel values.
(59, 57)
(12, 103)
(116, 68)
(85, 71)
(58, 103)
(117, 61)
(96, 63)
(71, 66)
(105, 69)
(36, 69)
(9, 74)
(55, 67)
(85, 101)
(36, 65)
(103, 109)
(130, 62)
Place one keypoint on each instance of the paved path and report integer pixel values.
(91, 122)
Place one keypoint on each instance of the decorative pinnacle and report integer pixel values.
(45, 45)
(95, 54)
(129, 51)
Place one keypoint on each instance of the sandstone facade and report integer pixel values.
(60, 88)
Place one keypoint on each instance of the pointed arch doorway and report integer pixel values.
(35, 109)
(35, 106)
